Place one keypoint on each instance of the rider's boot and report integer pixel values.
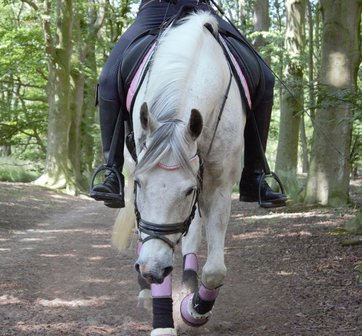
(111, 190)
(254, 164)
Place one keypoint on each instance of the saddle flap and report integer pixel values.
(133, 58)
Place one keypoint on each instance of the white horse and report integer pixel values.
(188, 121)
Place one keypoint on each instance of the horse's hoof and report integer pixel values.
(164, 332)
(190, 316)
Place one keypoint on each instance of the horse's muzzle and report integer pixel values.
(154, 275)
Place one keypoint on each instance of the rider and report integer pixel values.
(151, 15)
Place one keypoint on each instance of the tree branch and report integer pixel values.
(31, 4)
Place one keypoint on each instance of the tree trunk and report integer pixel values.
(58, 171)
(328, 178)
(292, 102)
(84, 76)
(5, 150)
(77, 80)
(261, 24)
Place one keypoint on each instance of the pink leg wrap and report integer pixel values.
(162, 304)
(190, 262)
(196, 308)
(162, 290)
(206, 294)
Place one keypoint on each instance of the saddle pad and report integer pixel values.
(137, 79)
(239, 72)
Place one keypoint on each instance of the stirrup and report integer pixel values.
(277, 202)
(111, 200)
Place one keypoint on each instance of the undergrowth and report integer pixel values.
(14, 170)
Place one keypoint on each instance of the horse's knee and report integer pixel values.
(212, 276)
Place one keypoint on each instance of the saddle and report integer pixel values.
(242, 60)
(133, 68)
(245, 65)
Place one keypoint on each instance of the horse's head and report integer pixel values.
(167, 187)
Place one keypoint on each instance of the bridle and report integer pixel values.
(160, 231)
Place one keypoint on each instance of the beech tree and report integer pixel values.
(70, 31)
(329, 173)
(261, 25)
(292, 99)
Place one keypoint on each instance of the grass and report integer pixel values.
(13, 170)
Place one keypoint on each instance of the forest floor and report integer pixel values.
(288, 271)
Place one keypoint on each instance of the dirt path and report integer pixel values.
(287, 274)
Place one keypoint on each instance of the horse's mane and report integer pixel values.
(168, 83)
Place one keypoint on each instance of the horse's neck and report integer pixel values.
(189, 72)
(186, 76)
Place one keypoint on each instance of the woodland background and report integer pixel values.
(52, 51)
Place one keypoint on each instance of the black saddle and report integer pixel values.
(138, 49)
(248, 62)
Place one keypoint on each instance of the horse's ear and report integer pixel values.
(148, 123)
(195, 124)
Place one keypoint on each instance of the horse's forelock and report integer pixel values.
(169, 141)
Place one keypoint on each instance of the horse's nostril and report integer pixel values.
(151, 278)
(137, 267)
(167, 271)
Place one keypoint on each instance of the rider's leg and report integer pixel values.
(150, 16)
(253, 157)
(111, 191)
(262, 91)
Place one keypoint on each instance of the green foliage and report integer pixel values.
(12, 170)
(23, 69)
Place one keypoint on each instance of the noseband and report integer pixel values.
(160, 231)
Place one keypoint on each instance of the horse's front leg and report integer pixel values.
(196, 308)
(162, 302)
(159, 301)
(190, 247)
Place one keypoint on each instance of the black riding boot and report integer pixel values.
(111, 190)
(254, 164)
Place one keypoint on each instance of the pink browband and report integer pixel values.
(175, 167)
